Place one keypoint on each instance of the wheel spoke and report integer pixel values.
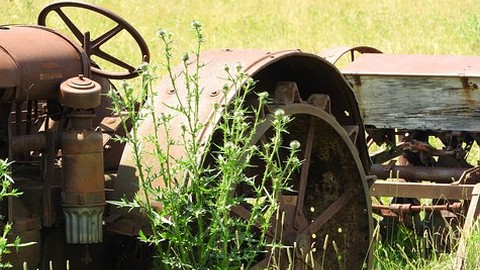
(307, 262)
(261, 130)
(313, 263)
(246, 215)
(305, 168)
(78, 34)
(334, 208)
(112, 59)
(264, 263)
(324, 187)
(106, 37)
(298, 262)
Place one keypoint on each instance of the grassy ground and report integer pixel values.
(398, 26)
(393, 26)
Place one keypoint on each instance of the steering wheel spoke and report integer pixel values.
(106, 37)
(112, 59)
(75, 31)
(128, 70)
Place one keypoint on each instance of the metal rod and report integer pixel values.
(418, 173)
(407, 208)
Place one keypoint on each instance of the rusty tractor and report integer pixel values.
(56, 125)
(57, 128)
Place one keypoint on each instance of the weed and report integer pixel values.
(197, 227)
(5, 192)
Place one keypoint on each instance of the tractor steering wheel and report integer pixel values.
(93, 47)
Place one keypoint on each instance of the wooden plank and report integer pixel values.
(416, 102)
(421, 190)
(472, 215)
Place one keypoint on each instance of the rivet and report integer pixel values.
(214, 93)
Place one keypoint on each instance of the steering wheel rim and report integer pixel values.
(92, 47)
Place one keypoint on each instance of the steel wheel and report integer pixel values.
(326, 221)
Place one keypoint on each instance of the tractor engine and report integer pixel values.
(56, 125)
(47, 119)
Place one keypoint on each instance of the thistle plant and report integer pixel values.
(197, 227)
(5, 192)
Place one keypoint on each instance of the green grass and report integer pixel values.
(393, 26)
(397, 26)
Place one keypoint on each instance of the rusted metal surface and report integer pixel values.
(83, 195)
(409, 208)
(8, 69)
(418, 173)
(403, 212)
(33, 142)
(308, 88)
(311, 73)
(80, 93)
(415, 65)
(334, 54)
(470, 176)
(32, 74)
(50, 131)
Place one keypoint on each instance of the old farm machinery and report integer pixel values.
(424, 110)
(56, 125)
(57, 128)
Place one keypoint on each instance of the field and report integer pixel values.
(393, 26)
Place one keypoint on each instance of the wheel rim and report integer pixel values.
(330, 197)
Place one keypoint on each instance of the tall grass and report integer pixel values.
(398, 26)
(196, 227)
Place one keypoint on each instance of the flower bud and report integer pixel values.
(294, 145)
(185, 57)
(279, 113)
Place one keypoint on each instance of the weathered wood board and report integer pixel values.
(417, 92)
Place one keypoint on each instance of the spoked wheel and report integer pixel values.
(325, 221)
(93, 47)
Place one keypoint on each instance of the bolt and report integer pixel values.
(214, 93)
(110, 120)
